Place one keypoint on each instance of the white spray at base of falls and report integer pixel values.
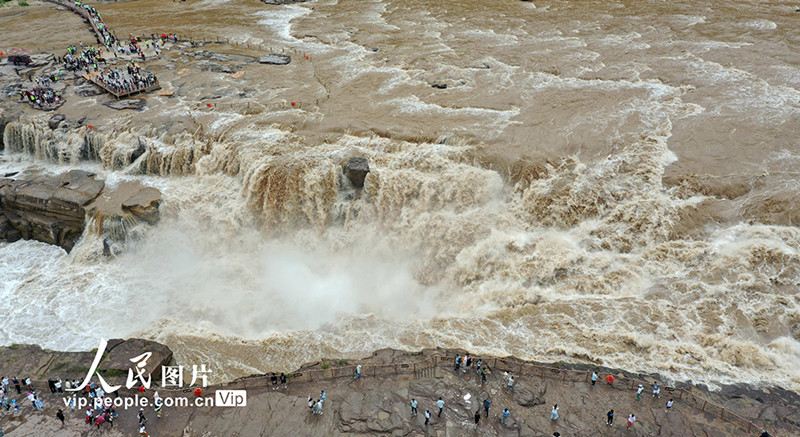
(585, 263)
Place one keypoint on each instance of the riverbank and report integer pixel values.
(380, 405)
(548, 174)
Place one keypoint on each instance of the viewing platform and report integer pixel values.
(94, 77)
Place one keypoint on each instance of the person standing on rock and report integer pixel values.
(5, 384)
(478, 365)
(483, 376)
(669, 405)
(510, 386)
(310, 403)
(58, 385)
(358, 372)
(319, 406)
(16, 385)
(51, 384)
(467, 363)
(458, 362)
(554, 413)
(440, 404)
(322, 396)
(101, 420)
(610, 380)
(274, 379)
(28, 384)
(486, 404)
(413, 407)
(656, 389)
(506, 414)
(631, 419)
(427, 417)
(283, 380)
(594, 378)
(477, 418)
(639, 392)
(60, 416)
(610, 420)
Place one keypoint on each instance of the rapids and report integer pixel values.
(614, 184)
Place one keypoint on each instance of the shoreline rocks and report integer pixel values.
(53, 208)
(275, 59)
(282, 2)
(119, 105)
(39, 364)
(379, 405)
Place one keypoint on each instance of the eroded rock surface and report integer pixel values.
(275, 59)
(356, 170)
(53, 208)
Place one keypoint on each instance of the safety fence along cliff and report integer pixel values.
(425, 369)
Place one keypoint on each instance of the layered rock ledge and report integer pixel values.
(55, 209)
(379, 405)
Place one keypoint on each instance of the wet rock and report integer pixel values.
(53, 208)
(144, 204)
(375, 49)
(215, 67)
(139, 151)
(3, 122)
(282, 2)
(56, 120)
(356, 170)
(48, 208)
(119, 354)
(219, 58)
(106, 247)
(41, 60)
(87, 90)
(275, 59)
(13, 235)
(439, 85)
(4, 226)
(135, 104)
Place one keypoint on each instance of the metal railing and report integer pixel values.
(685, 395)
(421, 369)
(425, 368)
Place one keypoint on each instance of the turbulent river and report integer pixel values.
(613, 182)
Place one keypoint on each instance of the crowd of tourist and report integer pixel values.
(83, 58)
(41, 97)
(126, 81)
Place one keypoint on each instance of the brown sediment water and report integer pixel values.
(612, 182)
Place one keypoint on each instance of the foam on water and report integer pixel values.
(265, 256)
(278, 20)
